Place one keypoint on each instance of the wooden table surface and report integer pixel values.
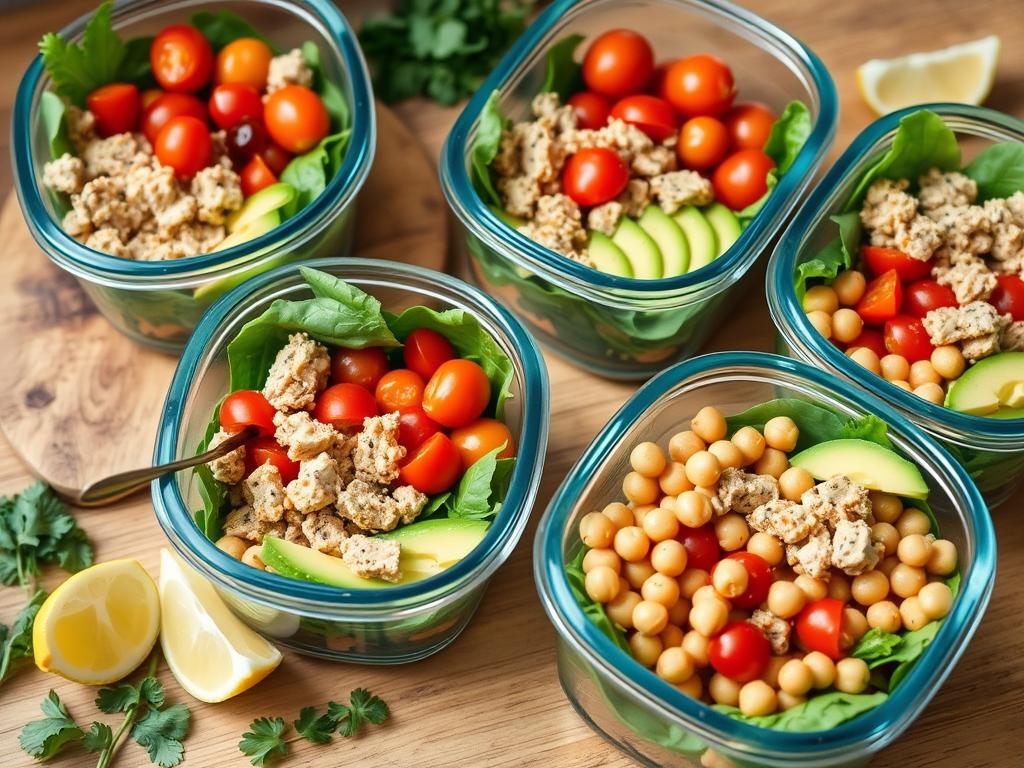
(492, 698)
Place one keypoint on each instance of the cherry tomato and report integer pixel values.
(759, 579)
(434, 467)
(749, 125)
(231, 103)
(425, 350)
(742, 178)
(116, 107)
(415, 428)
(879, 260)
(702, 144)
(345, 406)
(699, 85)
(364, 367)
(481, 437)
(591, 110)
(247, 407)
(150, 95)
(166, 106)
(245, 60)
(906, 336)
(594, 176)
(457, 394)
(871, 338)
(818, 627)
(255, 176)
(276, 158)
(1008, 296)
(184, 144)
(923, 296)
(400, 389)
(650, 114)
(263, 450)
(618, 63)
(181, 58)
(296, 118)
(701, 545)
(656, 85)
(740, 652)
(882, 299)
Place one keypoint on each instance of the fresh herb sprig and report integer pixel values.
(265, 740)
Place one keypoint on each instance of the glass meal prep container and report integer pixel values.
(373, 626)
(158, 303)
(653, 721)
(991, 450)
(619, 327)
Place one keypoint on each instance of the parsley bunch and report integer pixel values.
(265, 738)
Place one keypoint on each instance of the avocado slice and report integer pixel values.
(507, 218)
(253, 228)
(699, 234)
(675, 250)
(870, 464)
(726, 225)
(607, 256)
(640, 249)
(990, 387)
(267, 200)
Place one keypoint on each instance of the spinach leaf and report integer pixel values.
(563, 74)
(213, 492)
(135, 67)
(788, 135)
(593, 610)
(472, 497)
(817, 423)
(838, 255)
(360, 304)
(52, 112)
(330, 93)
(819, 713)
(312, 172)
(223, 27)
(999, 170)
(485, 149)
(879, 648)
(867, 427)
(875, 644)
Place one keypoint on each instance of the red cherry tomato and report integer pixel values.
(263, 450)
(618, 63)
(276, 158)
(481, 437)
(591, 110)
(296, 118)
(880, 260)
(871, 338)
(415, 428)
(400, 389)
(116, 107)
(650, 114)
(818, 627)
(742, 178)
(364, 367)
(169, 105)
(150, 95)
(749, 125)
(247, 407)
(702, 144)
(906, 336)
(701, 544)
(1008, 296)
(882, 299)
(344, 407)
(922, 296)
(181, 58)
(434, 467)
(184, 144)
(594, 176)
(759, 575)
(255, 176)
(699, 85)
(740, 652)
(457, 394)
(245, 60)
(425, 350)
(231, 103)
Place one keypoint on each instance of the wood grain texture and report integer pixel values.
(492, 698)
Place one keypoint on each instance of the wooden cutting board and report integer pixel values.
(79, 401)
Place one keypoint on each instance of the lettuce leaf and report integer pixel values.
(999, 170)
(485, 149)
(330, 93)
(838, 255)
(52, 112)
(819, 713)
(312, 172)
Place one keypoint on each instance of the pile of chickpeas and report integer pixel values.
(636, 566)
(829, 309)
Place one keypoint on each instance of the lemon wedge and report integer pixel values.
(961, 73)
(99, 625)
(210, 651)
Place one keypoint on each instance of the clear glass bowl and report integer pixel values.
(622, 327)
(992, 450)
(158, 303)
(373, 626)
(650, 719)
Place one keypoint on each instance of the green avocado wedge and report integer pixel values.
(726, 225)
(607, 256)
(870, 464)
(640, 249)
(991, 387)
(699, 234)
(674, 247)
(271, 199)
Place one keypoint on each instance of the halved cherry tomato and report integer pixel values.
(457, 393)
(650, 114)
(871, 338)
(882, 299)
(181, 58)
(344, 407)
(1008, 296)
(742, 178)
(415, 428)
(116, 107)
(166, 106)
(922, 296)
(245, 60)
(434, 467)
(255, 176)
(701, 544)
(231, 103)
(618, 63)
(591, 110)
(818, 627)
(905, 335)
(425, 350)
(699, 85)
(594, 175)
(364, 367)
(740, 652)
(263, 450)
(749, 125)
(247, 407)
(275, 157)
(184, 144)
(296, 118)
(400, 389)
(759, 575)
(880, 260)
(481, 437)
(703, 143)
(150, 95)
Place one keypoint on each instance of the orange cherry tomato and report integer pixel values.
(703, 143)
(457, 394)
(364, 367)
(742, 178)
(399, 389)
(699, 85)
(296, 118)
(749, 125)
(255, 176)
(247, 407)
(618, 63)
(425, 350)
(245, 60)
(182, 58)
(434, 467)
(266, 450)
(168, 105)
(345, 407)
(480, 438)
(116, 107)
(184, 144)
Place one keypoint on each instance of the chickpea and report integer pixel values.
(693, 509)
(679, 612)
(691, 581)
(750, 442)
(649, 617)
(867, 358)
(781, 433)
(849, 287)
(640, 512)
(942, 561)
(895, 367)
(846, 325)
(694, 688)
(707, 592)
(887, 565)
(728, 454)
(885, 616)
(661, 589)
(870, 587)
(709, 617)
(839, 587)
(904, 385)
(936, 600)
(854, 626)
(683, 445)
(251, 557)
(821, 298)
(599, 557)
(671, 636)
(673, 480)
(703, 468)
(709, 424)
(933, 393)
(597, 531)
(233, 545)
(915, 550)
(730, 579)
(619, 514)
(647, 459)
(822, 668)
(788, 700)
(786, 599)
(852, 675)
(795, 677)
(813, 589)
(674, 665)
(696, 645)
(948, 361)
(906, 580)
(669, 557)
(631, 543)
(771, 671)
(757, 698)
(794, 482)
(637, 573)
(923, 372)
(668, 502)
(886, 535)
(620, 610)
(640, 489)
(724, 690)
(912, 614)
(886, 507)
(773, 462)
(645, 648)
(602, 584)
(913, 521)
(732, 531)
(660, 524)
(767, 547)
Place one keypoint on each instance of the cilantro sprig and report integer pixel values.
(265, 740)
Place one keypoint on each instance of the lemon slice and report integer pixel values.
(961, 73)
(210, 651)
(99, 625)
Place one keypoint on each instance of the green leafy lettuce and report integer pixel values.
(817, 424)
(998, 170)
(819, 713)
(485, 149)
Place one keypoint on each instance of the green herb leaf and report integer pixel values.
(43, 739)
(564, 74)
(363, 707)
(875, 644)
(819, 713)
(471, 500)
(485, 148)
(224, 27)
(98, 738)
(998, 170)
(118, 698)
(264, 740)
(16, 644)
(160, 731)
(52, 113)
(315, 727)
(78, 69)
(312, 172)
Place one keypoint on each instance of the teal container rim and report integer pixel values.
(876, 728)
